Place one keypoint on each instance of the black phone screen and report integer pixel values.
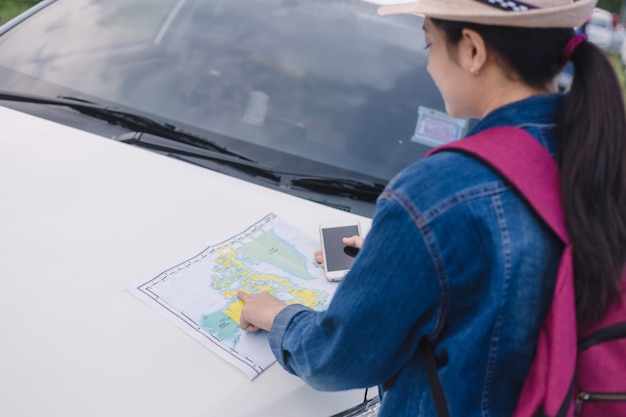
(338, 256)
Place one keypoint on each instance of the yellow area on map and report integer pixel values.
(234, 310)
(233, 275)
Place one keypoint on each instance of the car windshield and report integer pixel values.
(309, 80)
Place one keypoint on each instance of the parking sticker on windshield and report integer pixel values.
(436, 128)
(256, 108)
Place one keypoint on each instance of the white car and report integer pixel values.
(82, 217)
(137, 134)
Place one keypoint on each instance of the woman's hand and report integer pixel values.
(354, 241)
(259, 310)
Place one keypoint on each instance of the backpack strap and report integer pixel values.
(430, 362)
(520, 159)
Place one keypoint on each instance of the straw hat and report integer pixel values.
(526, 13)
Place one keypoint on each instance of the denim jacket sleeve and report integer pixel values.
(391, 290)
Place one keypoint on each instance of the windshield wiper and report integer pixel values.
(127, 119)
(184, 152)
(147, 131)
(345, 187)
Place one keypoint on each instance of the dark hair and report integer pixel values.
(591, 131)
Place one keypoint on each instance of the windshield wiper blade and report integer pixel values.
(184, 152)
(127, 119)
(345, 187)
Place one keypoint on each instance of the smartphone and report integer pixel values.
(338, 257)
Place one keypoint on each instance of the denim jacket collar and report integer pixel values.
(539, 111)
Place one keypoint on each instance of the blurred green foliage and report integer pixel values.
(11, 8)
(611, 5)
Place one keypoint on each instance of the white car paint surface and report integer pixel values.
(81, 217)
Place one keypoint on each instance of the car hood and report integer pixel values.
(82, 217)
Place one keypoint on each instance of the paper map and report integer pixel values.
(200, 295)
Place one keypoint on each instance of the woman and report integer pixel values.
(454, 255)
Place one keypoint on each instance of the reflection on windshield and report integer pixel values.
(327, 80)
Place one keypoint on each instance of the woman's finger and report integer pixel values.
(355, 241)
(319, 257)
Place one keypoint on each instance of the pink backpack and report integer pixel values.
(576, 371)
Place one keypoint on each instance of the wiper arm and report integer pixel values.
(183, 151)
(127, 119)
(345, 187)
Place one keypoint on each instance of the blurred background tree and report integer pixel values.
(615, 6)
(611, 5)
(11, 8)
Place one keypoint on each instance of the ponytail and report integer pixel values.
(592, 157)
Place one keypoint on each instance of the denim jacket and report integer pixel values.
(454, 255)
